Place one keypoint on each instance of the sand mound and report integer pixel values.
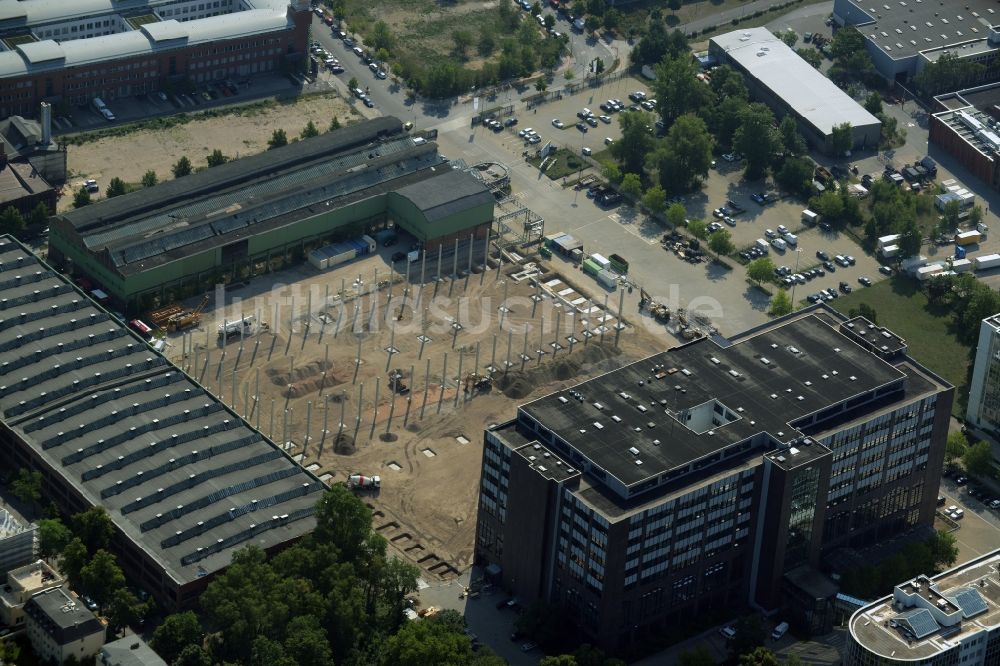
(343, 444)
(388, 437)
(517, 384)
(280, 377)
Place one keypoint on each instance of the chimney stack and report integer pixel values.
(46, 124)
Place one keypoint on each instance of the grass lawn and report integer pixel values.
(561, 163)
(903, 308)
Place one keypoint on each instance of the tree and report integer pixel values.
(828, 205)
(655, 200)
(11, 221)
(177, 632)
(635, 143)
(789, 37)
(781, 304)
(193, 655)
(796, 175)
(698, 656)
(309, 131)
(182, 167)
(381, 37)
(678, 90)
(352, 84)
(487, 43)
(27, 487)
(631, 186)
(811, 56)
(749, 631)
(943, 549)
(116, 188)
(658, 43)
(612, 19)
(541, 85)
(102, 577)
(756, 139)
(956, 445)
(685, 156)
(978, 460)
(81, 198)
(677, 215)
(149, 178)
(866, 311)
(721, 242)
(949, 72)
(760, 656)
(698, 229)
(463, 40)
(216, 158)
(278, 139)
(94, 527)
(560, 660)
(53, 537)
(306, 642)
(74, 558)
(873, 104)
(334, 124)
(431, 641)
(611, 171)
(674, 5)
(841, 139)
(39, 215)
(791, 140)
(760, 270)
(910, 239)
(592, 23)
(9, 652)
(343, 521)
(125, 609)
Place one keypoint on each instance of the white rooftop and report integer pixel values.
(790, 78)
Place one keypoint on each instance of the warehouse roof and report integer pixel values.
(450, 193)
(702, 402)
(904, 29)
(263, 16)
(181, 476)
(791, 79)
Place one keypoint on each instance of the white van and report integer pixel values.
(98, 104)
(791, 239)
(762, 244)
(779, 631)
(779, 244)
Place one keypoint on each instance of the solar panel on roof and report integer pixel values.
(920, 621)
(970, 601)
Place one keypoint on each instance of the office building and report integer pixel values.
(966, 125)
(951, 618)
(715, 475)
(983, 412)
(60, 626)
(73, 52)
(902, 37)
(128, 651)
(259, 213)
(18, 542)
(109, 422)
(780, 78)
(22, 584)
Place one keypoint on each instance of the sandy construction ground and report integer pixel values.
(299, 377)
(129, 156)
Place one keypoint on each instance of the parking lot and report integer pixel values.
(979, 528)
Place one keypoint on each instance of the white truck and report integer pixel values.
(779, 631)
(362, 482)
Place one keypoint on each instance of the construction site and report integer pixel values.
(393, 369)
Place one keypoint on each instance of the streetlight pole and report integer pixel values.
(795, 282)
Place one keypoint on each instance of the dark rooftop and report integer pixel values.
(18, 180)
(447, 194)
(877, 339)
(129, 651)
(64, 617)
(903, 29)
(702, 402)
(180, 475)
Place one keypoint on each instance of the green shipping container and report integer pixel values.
(618, 264)
(591, 267)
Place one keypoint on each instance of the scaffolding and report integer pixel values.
(515, 224)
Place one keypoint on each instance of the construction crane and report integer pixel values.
(186, 318)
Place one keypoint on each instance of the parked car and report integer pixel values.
(866, 282)
(822, 255)
(558, 124)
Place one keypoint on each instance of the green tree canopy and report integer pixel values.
(841, 139)
(721, 242)
(756, 139)
(182, 167)
(655, 200)
(635, 142)
(760, 656)
(381, 37)
(683, 159)
(796, 174)
(791, 140)
(102, 577)
(956, 445)
(611, 171)
(74, 558)
(116, 188)
(81, 198)
(53, 537)
(27, 485)
(193, 655)
(631, 185)
(978, 460)
(279, 138)
(873, 103)
(309, 130)
(11, 221)
(427, 642)
(698, 229)
(39, 215)
(94, 527)
(215, 158)
(335, 124)
(760, 270)
(125, 609)
(678, 90)
(677, 215)
(149, 178)
(781, 304)
(177, 632)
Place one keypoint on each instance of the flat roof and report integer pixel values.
(130, 650)
(970, 590)
(790, 78)
(701, 400)
(62, 615)
(904, 28)
(263, 16)
(245, 197)
(182, 476)
(448, 194)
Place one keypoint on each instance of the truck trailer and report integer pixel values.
(987, 261)
(967, 237)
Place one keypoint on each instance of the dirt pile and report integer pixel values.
(518, 384)
(280, 377)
